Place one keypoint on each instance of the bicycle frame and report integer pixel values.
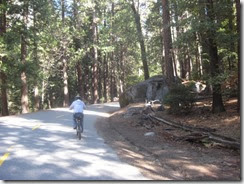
(79, 121)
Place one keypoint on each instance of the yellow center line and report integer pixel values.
(60, 116)
(35, 127)
(10, 148)
(3, 158)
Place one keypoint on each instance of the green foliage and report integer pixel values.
(134, 79)
(180, 99)
(49, 39)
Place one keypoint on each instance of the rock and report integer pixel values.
(147, 110)
(160, 108)
(132, 111)
(148, 125)
(199, 87)
(115, 99)
(155, 88)
(149, 134)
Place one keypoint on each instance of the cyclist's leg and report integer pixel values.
(74, 122)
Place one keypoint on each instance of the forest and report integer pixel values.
(52, 50)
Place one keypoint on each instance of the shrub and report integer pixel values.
(180, 99)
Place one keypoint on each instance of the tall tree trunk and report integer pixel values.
(64, 61)
(24, 88)
(95, 58)
(3, 77)
(238, 17)
(217, 105)
(188, 63)
(37, 98)
(198, 57)
(141, 41)
(122, 71)
(177, 33)
(105, 77)
(4, 98)
(86, 78)
(79, 79)
(105, 67)
(167, 43)
(43, 93)
(65, 78)
(36, 61)
(202, 38)
(112, 78)
(231, 30)
(162, 62)
(100, 79)
(78, 46)
(112, 85)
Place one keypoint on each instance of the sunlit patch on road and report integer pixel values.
(102, 114)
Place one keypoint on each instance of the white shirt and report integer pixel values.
(77, 106)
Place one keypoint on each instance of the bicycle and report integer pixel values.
(79, 121)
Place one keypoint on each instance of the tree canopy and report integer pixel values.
(52, 50)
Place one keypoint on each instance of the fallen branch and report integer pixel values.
(202, 133)
(184, 127)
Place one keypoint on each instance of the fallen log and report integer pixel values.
(193, 137)
(202, 133)
(184, 127)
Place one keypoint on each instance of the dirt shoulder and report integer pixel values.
(163, 156)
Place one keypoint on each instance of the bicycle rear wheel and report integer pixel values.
(79, 129)
(81, 126)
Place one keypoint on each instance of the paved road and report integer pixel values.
(43, 146)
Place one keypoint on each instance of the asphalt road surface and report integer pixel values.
(44, 146)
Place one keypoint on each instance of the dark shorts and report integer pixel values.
(78, 115)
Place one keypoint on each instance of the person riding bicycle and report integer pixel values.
(78, 106)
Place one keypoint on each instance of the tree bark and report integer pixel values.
(238, 17)
(95, 59)
(162, 62)
(231, 30)
(167, 43)
(100, 76)
(3, 76)
(4, 98)
(64, 61)
(37, 98)
(122, 74)
(141, 41)
(23, 77)
(105, 78)
(202, 38)
(177, 48)
(79, 79)
(112, 85)
(35, 53)
(188, 63)
(198, 57)
(217, 105)
(65, 78)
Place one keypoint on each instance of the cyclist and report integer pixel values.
(78, 106)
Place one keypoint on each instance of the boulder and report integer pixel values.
(154, 88)
(149, 134)
(132, 111)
